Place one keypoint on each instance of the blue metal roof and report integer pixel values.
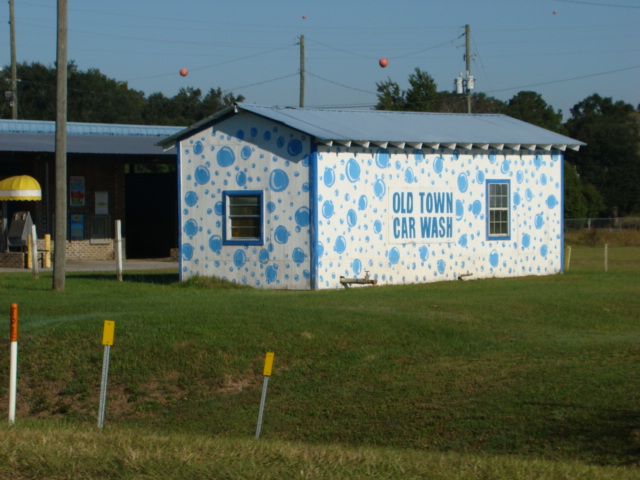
(415, 129)
(90, 138)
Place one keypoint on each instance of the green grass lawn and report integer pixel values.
(537, 369)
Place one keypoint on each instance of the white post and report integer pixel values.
(34, 252)
(118, 250)
(13, 364)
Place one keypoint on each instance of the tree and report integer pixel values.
(575, 203)
(611, 159)
(530, 107)
(94, 97)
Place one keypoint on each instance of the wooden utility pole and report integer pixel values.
(301, 71)
(14, 71)
(60, 252)
(467, 56)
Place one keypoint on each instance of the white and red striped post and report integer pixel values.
(13, 364)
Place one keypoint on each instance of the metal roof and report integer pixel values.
(401, 129)
(89, 138)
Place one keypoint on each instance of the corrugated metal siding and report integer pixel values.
(73, 128)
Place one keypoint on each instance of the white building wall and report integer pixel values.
(359, 231)
(246, 152)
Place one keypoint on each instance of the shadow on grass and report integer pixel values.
(160, 278)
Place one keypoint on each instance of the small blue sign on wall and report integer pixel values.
(76, 224)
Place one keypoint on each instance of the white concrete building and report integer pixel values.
(293, 198)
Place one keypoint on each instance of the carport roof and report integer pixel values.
(400, 129)
(89, 138)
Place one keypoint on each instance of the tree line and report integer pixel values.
(601, 180)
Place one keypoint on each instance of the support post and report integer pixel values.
(107, 341)
(301, 71)
(118, 250)
(34, 253)
(268, 365)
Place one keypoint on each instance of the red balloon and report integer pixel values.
(554, 12)
(383, 62)
(184, 72)
(304, 17)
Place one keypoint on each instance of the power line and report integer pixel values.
(563, 80)
(340, 84)
(600, 4)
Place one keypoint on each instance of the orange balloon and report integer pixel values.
(383, 62)
(184, 72)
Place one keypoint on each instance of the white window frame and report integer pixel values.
(498, 209)
(235, 219)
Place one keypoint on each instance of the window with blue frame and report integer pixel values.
(498, 206)
(243, 217)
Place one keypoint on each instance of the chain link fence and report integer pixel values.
(624, 223)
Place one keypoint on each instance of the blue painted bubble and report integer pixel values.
(320, 249)
(394, 256)
(198, 147)
(362, 202)
(225, 157)
(418, 155)
(253, 131)
(539, 221)
(279, 180)
(263, 256)
(272, 273)
(476, 207)
(424, 253)
(459, 209)
(240, 135)
(187, 251)
(352, 218)
(271, 207)
(441, 265)
(191, 198)
(302, 216)
(281, 234)
(494, 258)
(492, 156)
(438, 164)
(556, 155)
(241, 179)
(280, 142)
(409, 177)
(516, 199)
(505, 166)
(298, 255)
(353, 170)
(552, 201)
(340, 245)
(526, 240)
(382, 158)
(239, 258)
(245, 153)
(480, 177)
(538, 161)
(191, 227)
(544, 250)
(379, 188)
(357, 266)
(329, 177)
(528, 194)
(202, 175)
(215, 243)
(294, 148)
(520, 176)
(377, 226)
(463, 182)
(543, 179)
(267, 136)
(305, 187)
(463, 240)
(327, 209)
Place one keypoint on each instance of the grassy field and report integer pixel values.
(506, 378)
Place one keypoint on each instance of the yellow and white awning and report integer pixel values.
(20, 187)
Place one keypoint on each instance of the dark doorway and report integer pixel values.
(151, 227)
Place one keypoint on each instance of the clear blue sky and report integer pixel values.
(250, 47)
